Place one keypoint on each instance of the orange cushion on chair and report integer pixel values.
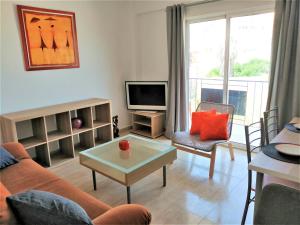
(197, 120)
(214, 127)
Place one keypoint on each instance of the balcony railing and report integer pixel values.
(248, 95)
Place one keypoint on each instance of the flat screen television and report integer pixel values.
(146, 95)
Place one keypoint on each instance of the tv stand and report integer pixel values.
(149, 124)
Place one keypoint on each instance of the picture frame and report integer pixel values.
(49, 38)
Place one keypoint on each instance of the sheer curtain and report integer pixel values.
(284, 87)
(177, 98)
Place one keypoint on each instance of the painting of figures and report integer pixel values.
(49, 38)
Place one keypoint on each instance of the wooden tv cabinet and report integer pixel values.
(47, 132)
(148, 124)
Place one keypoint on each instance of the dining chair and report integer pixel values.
(278, 205)
(271, 124)
(255, 140)
(184, 141)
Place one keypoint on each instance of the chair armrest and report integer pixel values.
(125, 214)
(17, 150)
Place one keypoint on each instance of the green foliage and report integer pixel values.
(214, 72)
(255, 67)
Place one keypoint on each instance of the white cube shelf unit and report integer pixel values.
(47, 132)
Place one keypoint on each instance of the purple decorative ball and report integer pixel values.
(76, 123)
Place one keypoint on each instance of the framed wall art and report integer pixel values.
(49, 38)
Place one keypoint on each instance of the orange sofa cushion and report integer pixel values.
(197, 120)
(214, 127)
(90, 204)
(6, 215)
(25, 175)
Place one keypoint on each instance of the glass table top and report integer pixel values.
(141, 152)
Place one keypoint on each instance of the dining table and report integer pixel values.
(263, 164)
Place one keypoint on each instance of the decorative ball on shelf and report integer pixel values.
(124, 145)
(77, 123)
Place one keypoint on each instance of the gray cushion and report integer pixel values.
(6, 159)
(278, 205)
(193, 141)
(45, 208)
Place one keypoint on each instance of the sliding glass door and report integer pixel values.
(229, 62)
(206, 56)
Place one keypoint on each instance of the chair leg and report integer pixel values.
(247, 203)
(245, 211)
(212, 163)
(231, 150)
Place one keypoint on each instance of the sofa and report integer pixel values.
(27, 174)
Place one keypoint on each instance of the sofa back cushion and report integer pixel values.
(17, 150)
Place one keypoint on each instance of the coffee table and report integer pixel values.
(127, 167)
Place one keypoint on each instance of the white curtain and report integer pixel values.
(177, 98)
(284, 88)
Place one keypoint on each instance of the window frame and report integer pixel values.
(213, 16)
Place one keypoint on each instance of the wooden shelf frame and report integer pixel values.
(148, 124)
(39, 129)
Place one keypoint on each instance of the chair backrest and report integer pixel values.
(255, 137)
(220, 108)
(278, 205)
(271, 124)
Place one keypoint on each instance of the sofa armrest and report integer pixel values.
(6, 215)
(17, 150)
(125, 214)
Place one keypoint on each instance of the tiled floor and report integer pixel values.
(189, 197)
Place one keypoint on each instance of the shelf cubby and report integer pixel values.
(40, 154)
(141, 129)
(61, 150)
(58, 126)
(83, 141)
(101, 115)
(142, 120)
(102, 135)
(34, 135)
(87, 121)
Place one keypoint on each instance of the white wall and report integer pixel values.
(104, 40)
(151, 40)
